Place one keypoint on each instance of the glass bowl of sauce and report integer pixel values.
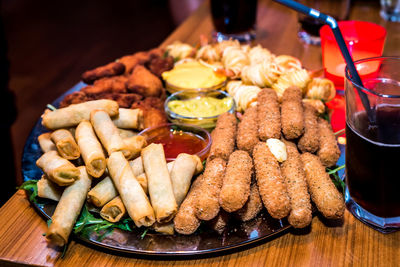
(179, 138)
(200, 108)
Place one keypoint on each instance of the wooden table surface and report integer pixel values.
(322, 244)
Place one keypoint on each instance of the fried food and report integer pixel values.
(74, 98)
(129, 119)
(154, 102)
(207, 205)
(247, 135)
(292, 114)
(48, 189)
(219, 223)
(45, 142)
(223, 136)
(103, 192)
(116, 84)
(309, 142)
(131, 61)
(144, 83)
(268, 115)
(236, 182)
(66, 144)
(293, 172)
(322, 190)
(123, 100)
(114, 210)
(253, 205)
(153, 117)
(111, 69)
(329, 151)
(158, 65)
(270, 182)
(185, 221)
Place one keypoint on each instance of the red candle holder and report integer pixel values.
(363, 40)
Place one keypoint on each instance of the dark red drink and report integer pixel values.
(373, 161)
(234, 16)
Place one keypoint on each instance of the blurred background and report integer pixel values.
(46, 46)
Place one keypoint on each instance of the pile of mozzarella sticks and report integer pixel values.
(89, 142)
(275, 157)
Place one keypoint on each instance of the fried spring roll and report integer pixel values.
(108, 133)
(207, 206)
(75, 113)
(236, 182)
(137, 166)
(129, 119)
(58, 169)
(322, 190)
(271, 185)
(185, 221)
(309, 142)
(268, 115)
(92, 152)
(114, 210)
(159, 183)
(247, 134)
(103, 192)
(126, 133)
(68, 209)
(164, 228)
(292, 114)
(134, 145)
(65, 143)
(135, 200)
(181, 174)
(253, 205)
(48, 189)
(293, 171)
(329, 151)
(45, 143)
(223, 136)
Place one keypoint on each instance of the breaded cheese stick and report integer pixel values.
(329, 151)
(45, 143)
(68, 209)
(219, 223)
(268, 115)
(223, 137)
(247, 134)
(129, 119)
(185, 221)
(292, 114)
(66, 144)
(58, 169)
(236, 182)
(75, 113)
(271, 184)
(92, 152)
(207, 206)
(253, 205)
(309, 142)
(323, 192)
(293, 171)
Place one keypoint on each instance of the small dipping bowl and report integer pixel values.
(179, 138)
(206, 122)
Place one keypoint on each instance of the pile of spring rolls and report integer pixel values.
(275, 157)
(96, 140)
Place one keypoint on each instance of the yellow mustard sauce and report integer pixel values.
(193, 75)
(201, 106)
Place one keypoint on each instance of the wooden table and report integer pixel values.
(323, 244)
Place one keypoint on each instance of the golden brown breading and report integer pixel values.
(116, 84)
(271, 184)
(111, 69)
(154, 102)
(329, 151)
(207, 205)
(220, 222)
(185, 221)
(223, 137)
(143, 82)
(268, 115)
(158, 65)
(74, 98)
(309, 142)
(292, 115)
(293, 172)
(123, 100)
(247, 134)
(131, 61)
(253, 205)
(323, 192)
(153, 117)
(236, 182)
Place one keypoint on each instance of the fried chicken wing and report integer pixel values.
(111, 69)
(143, 82)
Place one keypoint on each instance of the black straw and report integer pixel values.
(342, 45)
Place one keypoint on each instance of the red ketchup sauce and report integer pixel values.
(178, 141)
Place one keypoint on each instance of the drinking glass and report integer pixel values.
(234, 19)
(390, 10)
(363, 39)
(309, 27)
(373, 143)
